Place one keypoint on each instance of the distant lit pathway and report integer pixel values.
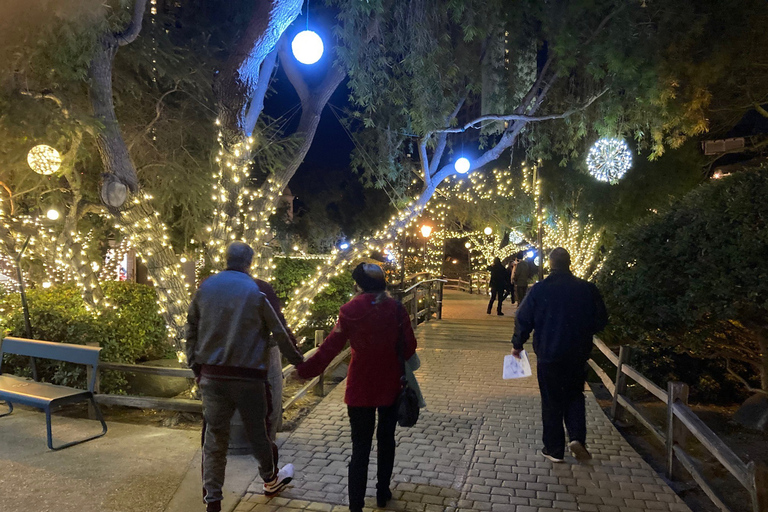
(476, 446)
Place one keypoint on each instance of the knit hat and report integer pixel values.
(369, 277)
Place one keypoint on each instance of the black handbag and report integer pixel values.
(407, 401)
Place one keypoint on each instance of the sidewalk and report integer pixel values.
(476, 446)
(132, 468)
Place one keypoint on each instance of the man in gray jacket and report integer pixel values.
(228, 343)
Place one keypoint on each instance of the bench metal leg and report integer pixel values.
(10, 409)
(99, 416)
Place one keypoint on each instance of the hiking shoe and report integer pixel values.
(551, 458)
(579, 450)
(277, 484)
(383, 497)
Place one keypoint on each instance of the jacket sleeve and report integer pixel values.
(274, 301)
(330, 348)
(287, 348)
(410, 337)
(524, 320)
(193, 316)
(601, 314)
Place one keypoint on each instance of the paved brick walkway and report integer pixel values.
(476, 445)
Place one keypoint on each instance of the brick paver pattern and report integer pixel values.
(476, 446)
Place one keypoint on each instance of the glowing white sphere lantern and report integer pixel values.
(488, 230)
(461, 165)
(609, 160)
(52, 214)
(426, 230)
(307, 47)
(44, 159)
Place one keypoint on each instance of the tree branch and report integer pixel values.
(742, 379)
(158, 111)
(292, 71)
(131, 32)
(47, 95)
(257, 101)
(521, 117)
(10, 195)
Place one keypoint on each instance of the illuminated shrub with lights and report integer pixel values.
(692, 282)
(130, 333)
(288, 276)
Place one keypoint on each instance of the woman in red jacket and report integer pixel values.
(371, 323)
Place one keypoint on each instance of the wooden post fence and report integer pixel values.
(676, 392)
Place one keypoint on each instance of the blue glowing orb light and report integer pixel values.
(461, 165)
(609, 160)
(344, 246)
(307, 47)
(529, 254)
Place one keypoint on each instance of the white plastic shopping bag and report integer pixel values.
(515, 368)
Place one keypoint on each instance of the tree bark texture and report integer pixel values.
(239, 79)
(148, 236)
(118, 166)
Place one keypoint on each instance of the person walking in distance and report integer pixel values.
(509, 283)
(372, 322)
(228, 327)
(498, 285)
(520, 277)
(564, 313)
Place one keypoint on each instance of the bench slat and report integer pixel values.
(78, 354)
(37, 394)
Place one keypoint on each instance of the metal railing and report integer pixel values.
(681, 420)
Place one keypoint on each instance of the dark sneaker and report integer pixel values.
(214, 506)
(500, 313)
(283, 478)
(579, 450)
(551, 458)
(382, 498)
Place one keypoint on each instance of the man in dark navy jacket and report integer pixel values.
(564, 313)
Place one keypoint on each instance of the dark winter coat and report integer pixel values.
(564, 313)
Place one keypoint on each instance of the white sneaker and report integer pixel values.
(579, 450)
(283, 478)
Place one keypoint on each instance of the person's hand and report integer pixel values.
(516, 353)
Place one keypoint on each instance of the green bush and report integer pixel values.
(694, 280)
(131, 332)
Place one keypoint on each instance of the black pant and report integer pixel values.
(562, 399)
(362, 420)
(494, 295)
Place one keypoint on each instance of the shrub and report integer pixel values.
(132, 332)
(694, 279)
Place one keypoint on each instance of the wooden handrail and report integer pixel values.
(714, 444)
(678, 411)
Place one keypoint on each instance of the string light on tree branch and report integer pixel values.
(609, 160)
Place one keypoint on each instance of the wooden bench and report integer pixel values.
(45, 396)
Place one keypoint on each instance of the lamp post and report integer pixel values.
(468, 245)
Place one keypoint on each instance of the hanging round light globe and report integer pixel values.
(462, 165)
(609, 160)
(426, 230)
(52, 214)
(307, 47)
(468, 245)
(488, 230)
(44, 159)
